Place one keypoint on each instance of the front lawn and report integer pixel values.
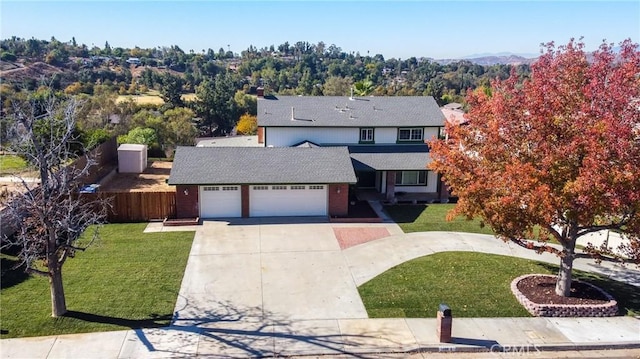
(12, 164)
(432, 217)
(127, 279)
(472, 284)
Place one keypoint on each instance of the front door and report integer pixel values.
(366, 179)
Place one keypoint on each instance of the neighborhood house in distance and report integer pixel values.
(309, 153)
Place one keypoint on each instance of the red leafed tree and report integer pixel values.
(553, 156)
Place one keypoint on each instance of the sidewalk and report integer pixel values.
(362, 338)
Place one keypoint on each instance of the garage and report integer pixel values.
(220, 201)
(233, 182)
(287, 200)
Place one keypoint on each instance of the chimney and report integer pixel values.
(260, 91)
(293, 113)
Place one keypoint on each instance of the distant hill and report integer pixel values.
(505, 54)
(16, 72)
(493, 59)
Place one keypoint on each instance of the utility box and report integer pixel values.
(444, 322)
(132, 158)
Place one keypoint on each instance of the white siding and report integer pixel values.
(386, 135)
(430, 133)
(289, 136)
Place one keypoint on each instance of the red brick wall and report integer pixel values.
(260, 134)
(187, 202)
(245, 200)
(338, 202)
(391, 185)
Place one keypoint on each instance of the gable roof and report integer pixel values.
(339, 111)
(261, 165)
(390, 158)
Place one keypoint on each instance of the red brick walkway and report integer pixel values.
(352, 236)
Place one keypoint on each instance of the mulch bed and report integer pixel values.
(541, 290)
(352, 236)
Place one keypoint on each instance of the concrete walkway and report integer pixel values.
(264, 288)
(365, 261)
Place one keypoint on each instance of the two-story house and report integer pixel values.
(315, 150)
(385, 136)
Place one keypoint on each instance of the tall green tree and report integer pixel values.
(180, 128)
(337, 86)
(171, 90)
(215, 105)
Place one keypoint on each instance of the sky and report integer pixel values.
(398, 29)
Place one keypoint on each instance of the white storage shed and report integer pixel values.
(132, 158)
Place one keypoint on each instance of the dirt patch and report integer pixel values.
(352, 236)
(34, 71)
(153, 179)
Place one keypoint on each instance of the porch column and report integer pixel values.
(443, 190)
(391, 186)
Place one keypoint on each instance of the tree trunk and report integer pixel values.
(563, 284)
(58, 302)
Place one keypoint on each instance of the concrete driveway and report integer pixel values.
(253, 270)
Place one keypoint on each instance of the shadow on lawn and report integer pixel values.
(12, 273)
(154, 321)
(405, 213)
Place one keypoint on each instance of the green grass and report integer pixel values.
(127, 279)
(425, 218)
(12, 164)
(472, 284)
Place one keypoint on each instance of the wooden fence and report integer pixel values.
(138, 206)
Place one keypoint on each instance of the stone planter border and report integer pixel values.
(608, 309)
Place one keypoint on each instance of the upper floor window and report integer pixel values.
(366, 135)
(410, 134)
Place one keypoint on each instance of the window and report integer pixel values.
(278, 187)
(208, 188)
(411, 178)
(410, 134)
(230, 188)
(366, 135)
(316, 187)
(260, 188)
(298, 187)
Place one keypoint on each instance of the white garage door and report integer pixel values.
(220, 201)
(288, 200)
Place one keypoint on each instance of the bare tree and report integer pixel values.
(51, 216)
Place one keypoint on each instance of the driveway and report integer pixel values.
(256, 271)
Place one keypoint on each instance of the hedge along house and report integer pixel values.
(227, 182)
(385, 137)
